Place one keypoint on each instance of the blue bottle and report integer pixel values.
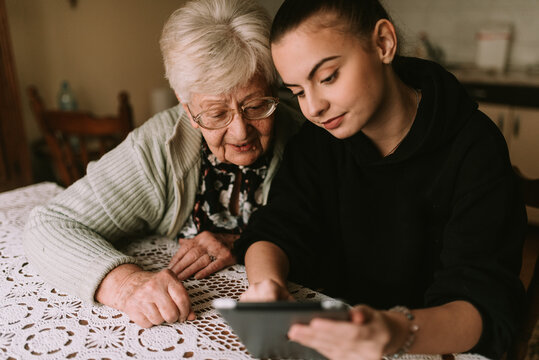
(66, 98)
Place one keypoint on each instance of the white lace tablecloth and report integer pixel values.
(40, 322)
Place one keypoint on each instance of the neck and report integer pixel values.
(395, 118)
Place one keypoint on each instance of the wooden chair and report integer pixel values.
(530, 194)
(74, 138)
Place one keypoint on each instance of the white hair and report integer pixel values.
(213, 46)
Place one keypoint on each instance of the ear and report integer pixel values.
(385, 40)
(186, 109)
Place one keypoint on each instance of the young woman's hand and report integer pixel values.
(203, 255)
(265, 291)
(148, 298)
(368, 335)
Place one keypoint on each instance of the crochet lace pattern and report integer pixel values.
(38, 321)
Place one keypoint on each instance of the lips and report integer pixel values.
(243, 147)
(333, 122)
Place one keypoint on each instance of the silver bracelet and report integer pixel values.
(411, 337)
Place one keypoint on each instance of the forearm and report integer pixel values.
(450, 328)
(266, 261)
(70, 240)
(68, 255)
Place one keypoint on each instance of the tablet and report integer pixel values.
(263, 327)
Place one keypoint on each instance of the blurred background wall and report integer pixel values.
(99, 46)
(454, 24)
(104, 46)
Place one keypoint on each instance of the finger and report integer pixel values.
(179, 295)
(329, 331)
(356, 316)
(265, 291)
(195, 253)
(361, 314)
(168, 309)
(184, 248)
(336, 339)
(303, 334)
(152, 314)
(296, 331)
(139, 319)
(321, 324)
(334, 330)
(184, 241)
(192, 315)
(210, 268)
(307, 336)
(245, 296)
(196, 266)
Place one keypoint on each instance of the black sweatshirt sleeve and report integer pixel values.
(290, 218)
(482, 242)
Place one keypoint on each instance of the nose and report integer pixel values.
(238, 128)
(315, 105)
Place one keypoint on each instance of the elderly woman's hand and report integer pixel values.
(368, 335)
(203, 255)
(264, 291)
(148, 298)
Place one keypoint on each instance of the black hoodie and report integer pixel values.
(439, 220)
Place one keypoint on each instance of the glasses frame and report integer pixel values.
(241, 111)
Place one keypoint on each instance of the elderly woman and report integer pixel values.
(194, 172)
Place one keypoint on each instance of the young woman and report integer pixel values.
(397, 194)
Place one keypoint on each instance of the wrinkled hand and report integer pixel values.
(366, 336)
(153, 298)
(203, 255)
(265, 291)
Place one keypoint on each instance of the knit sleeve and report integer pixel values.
(71, 240)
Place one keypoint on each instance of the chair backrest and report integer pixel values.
(530, 193)
(75, 138)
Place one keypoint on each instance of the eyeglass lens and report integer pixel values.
(255, 109)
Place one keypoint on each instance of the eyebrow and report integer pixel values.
(253, 95)
(315, 68)
(217, 101)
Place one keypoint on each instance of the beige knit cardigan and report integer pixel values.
(146, 185)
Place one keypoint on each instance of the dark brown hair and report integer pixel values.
(359, 17)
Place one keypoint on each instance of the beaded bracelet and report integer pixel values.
(411, 338)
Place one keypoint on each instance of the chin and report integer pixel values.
(244, 160)
(341, 133)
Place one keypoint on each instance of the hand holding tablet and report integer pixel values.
(263, 326)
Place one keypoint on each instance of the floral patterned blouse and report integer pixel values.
(211, 211)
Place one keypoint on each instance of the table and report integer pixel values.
(40, 322)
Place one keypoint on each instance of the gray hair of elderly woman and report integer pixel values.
(213, 46)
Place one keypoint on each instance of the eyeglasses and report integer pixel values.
(218, 117)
